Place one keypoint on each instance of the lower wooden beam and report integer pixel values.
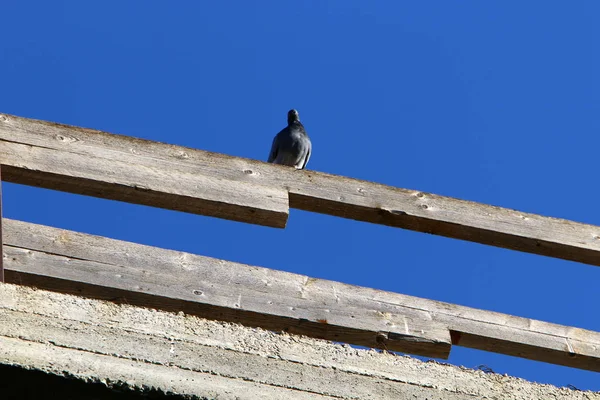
(141, 275)
(134, 348)
(109, 269)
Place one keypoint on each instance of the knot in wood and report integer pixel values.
(65, 139)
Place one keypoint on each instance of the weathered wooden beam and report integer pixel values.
(137, 348)
(308, 190)
(81, 264)
(119, 176)
(104, 268)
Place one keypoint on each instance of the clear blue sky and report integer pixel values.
(496, 102)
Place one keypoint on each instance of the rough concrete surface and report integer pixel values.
(141, 348)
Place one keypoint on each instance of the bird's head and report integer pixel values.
(293, 116)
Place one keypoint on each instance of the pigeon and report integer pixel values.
(291, 146)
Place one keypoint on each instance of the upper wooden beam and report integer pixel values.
(33, 153)
(140, 171)
(109, 269)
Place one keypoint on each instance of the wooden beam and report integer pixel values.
(308, 190)
(119, 176)
(104, 268)
(76, 263)
(134, 348)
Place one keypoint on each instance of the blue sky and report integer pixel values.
(496, 102)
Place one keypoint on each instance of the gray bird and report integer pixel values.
(291, 146)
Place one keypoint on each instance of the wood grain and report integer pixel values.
(80, 264)
(313, 191)
(57, 259)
